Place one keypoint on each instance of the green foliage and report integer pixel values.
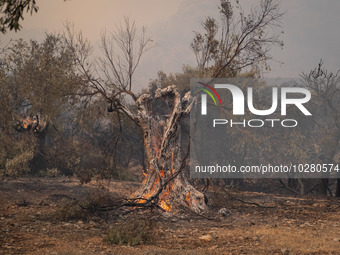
(80, 136)
(132, 232)
(19, 165)
(52, 172)
(13, 11)
(36, 79)
(16, 153)
(43, 74)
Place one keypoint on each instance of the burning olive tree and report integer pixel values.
(243, 43)
(164, 184)
(37, 81)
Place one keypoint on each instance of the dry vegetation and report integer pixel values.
(48, 216)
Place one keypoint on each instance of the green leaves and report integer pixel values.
(12, 13)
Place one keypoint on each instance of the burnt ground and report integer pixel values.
(35, 219)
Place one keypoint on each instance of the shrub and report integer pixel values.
(19, 165)
(52, 172)
(132, 232)
(68, 209)
(85, 208)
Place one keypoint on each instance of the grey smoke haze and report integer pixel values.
(310, 30)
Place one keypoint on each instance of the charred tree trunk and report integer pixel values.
(337, 191)
(164, 182)
(323, 186)
(38, 127)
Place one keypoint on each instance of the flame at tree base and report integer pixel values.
(164, 200)
(165, 206)
(177, 192)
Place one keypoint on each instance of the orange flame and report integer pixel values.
(161, 172)
(164, 201)
(144, 173)
(28, 121)
(165, 206)
(150, 193)
(187, 199)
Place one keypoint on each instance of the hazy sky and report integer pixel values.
(311, 30)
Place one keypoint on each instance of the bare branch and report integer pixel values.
(110, 76)
(122, 51)
(240, 43)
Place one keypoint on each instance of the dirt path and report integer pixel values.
(31, 222)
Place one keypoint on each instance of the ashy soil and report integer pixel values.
(33, 220)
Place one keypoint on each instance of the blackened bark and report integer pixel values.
(337, 191)
(165, 182)
(323, 186)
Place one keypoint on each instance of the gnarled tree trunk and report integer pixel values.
(164, 183)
